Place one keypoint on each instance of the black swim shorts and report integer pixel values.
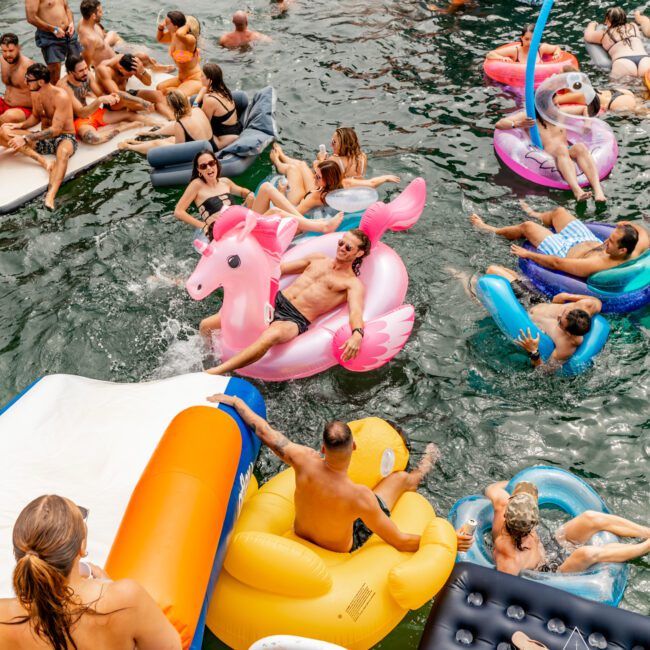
(49, 146)
(57, 50)
(285, 311)
(527, 295)
(360, 532)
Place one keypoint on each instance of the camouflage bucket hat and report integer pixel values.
(522, 513)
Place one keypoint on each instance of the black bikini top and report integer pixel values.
(213, 205)
(217, 122)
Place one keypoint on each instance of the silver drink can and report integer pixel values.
(468, 527)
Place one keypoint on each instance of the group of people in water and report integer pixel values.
(62, 601)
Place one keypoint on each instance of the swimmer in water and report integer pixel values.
(517, 546)
(519, 53)
(241, 35)
(182, 34)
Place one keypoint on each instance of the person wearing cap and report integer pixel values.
(241, 35)
(517, 546)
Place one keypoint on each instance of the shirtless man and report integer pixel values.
(53, 109)
(55, 33)
(98, 44)
(182, 34)
(323, 284)
(555, 143)
(643, 22)
(113, 75)
(16, 105)
(241, 35)
(331, 510)
(87, 99)
(573, 248)
(517, 546)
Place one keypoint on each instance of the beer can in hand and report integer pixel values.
(468, 527)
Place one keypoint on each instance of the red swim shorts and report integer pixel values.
(5, 107)
(95, 120)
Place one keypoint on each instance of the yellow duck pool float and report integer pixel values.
(274, 582)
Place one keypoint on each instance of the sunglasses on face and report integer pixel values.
(348, 247)
(30, 81)
(204, 166)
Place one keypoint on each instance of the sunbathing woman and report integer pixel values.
(190, 124)
(622, 41)
(519, 53)
(63, 603)
(218, 105)
(211, 193)
(182, 34)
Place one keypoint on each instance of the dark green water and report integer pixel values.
(88, 289)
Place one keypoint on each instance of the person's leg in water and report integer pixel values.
(276, 333)
(585, 160)
(529, 230)
(567, 168)
(394, 485)
(580, 529)
(63, 153)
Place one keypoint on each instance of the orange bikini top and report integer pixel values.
(184, 56)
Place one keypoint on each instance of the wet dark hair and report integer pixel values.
(528, 28)
(629, 238)
(177, 18)
(594, 107)
(337, 435)
(8, 39)
(128, 62)
(365, 246)
(72, 62)
(88, 8)
(39, 71)
(616, 16)
(214, 74)
(517, 536)
(578, 322)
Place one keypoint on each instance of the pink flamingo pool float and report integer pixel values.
(244, 258)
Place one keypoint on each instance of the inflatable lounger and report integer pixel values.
(621, 289)
(480, 608)
(172, 165)
(603, 582)
(274, 582)
(150, 461)
(23, 179)
(496, 295)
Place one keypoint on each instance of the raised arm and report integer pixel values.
(163, 36)
(370, 182)
(581, 267)
(277, 442)
(187, 39)
(498, 495)
(373, 517)
(588, 303)
(593, 34)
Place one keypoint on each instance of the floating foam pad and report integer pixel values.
(481, 608)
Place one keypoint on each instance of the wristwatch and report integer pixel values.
(358, 329)
(514, 126)
(534, 356)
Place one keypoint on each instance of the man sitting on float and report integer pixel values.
(322, 285)
(331, 510)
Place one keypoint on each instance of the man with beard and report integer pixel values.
(55, 33)
(52, 107)
(16, 105)
(87, 99)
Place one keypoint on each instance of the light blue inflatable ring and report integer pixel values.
(496, 295)
(604, 583)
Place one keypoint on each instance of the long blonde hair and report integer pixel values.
(177, 101)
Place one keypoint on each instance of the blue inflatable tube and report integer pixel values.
(496, 295)
(622, 289)
(558, 488)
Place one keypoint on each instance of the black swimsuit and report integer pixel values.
(217, 122)
(213, 205)
(189, 138)
(635, 58)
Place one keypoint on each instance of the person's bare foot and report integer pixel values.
(48, 201)
(274, 156)
(330, 225)
(528, 210)
(429, 459)
(477, 222)
(582, 196)
(125, 145)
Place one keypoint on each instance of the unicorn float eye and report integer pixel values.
(234, 261)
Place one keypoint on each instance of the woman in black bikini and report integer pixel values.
(211, 193)
(219, 107)
(622, 41)
(190, 124)
(519, 53)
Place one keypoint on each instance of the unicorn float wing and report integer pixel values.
(244, 259)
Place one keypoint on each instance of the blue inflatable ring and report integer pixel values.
(496, 295)
(622, 289)
(603, 583)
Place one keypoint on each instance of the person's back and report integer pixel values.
(57, 606)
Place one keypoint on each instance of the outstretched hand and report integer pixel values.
(526, 341)
(351, 347)
(221, 398)
(519, 251)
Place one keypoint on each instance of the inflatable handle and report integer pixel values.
(530, 69)
(416, 580)
(277, 564)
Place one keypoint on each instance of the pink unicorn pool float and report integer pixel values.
(244, 258)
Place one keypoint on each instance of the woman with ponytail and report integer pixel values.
(66, 604)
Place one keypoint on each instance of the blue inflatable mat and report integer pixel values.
(481, 608)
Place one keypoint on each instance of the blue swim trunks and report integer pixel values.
(559, 244)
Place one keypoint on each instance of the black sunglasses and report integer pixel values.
(204, 166)
(348, 247)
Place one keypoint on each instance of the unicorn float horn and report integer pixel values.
(401, 213)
